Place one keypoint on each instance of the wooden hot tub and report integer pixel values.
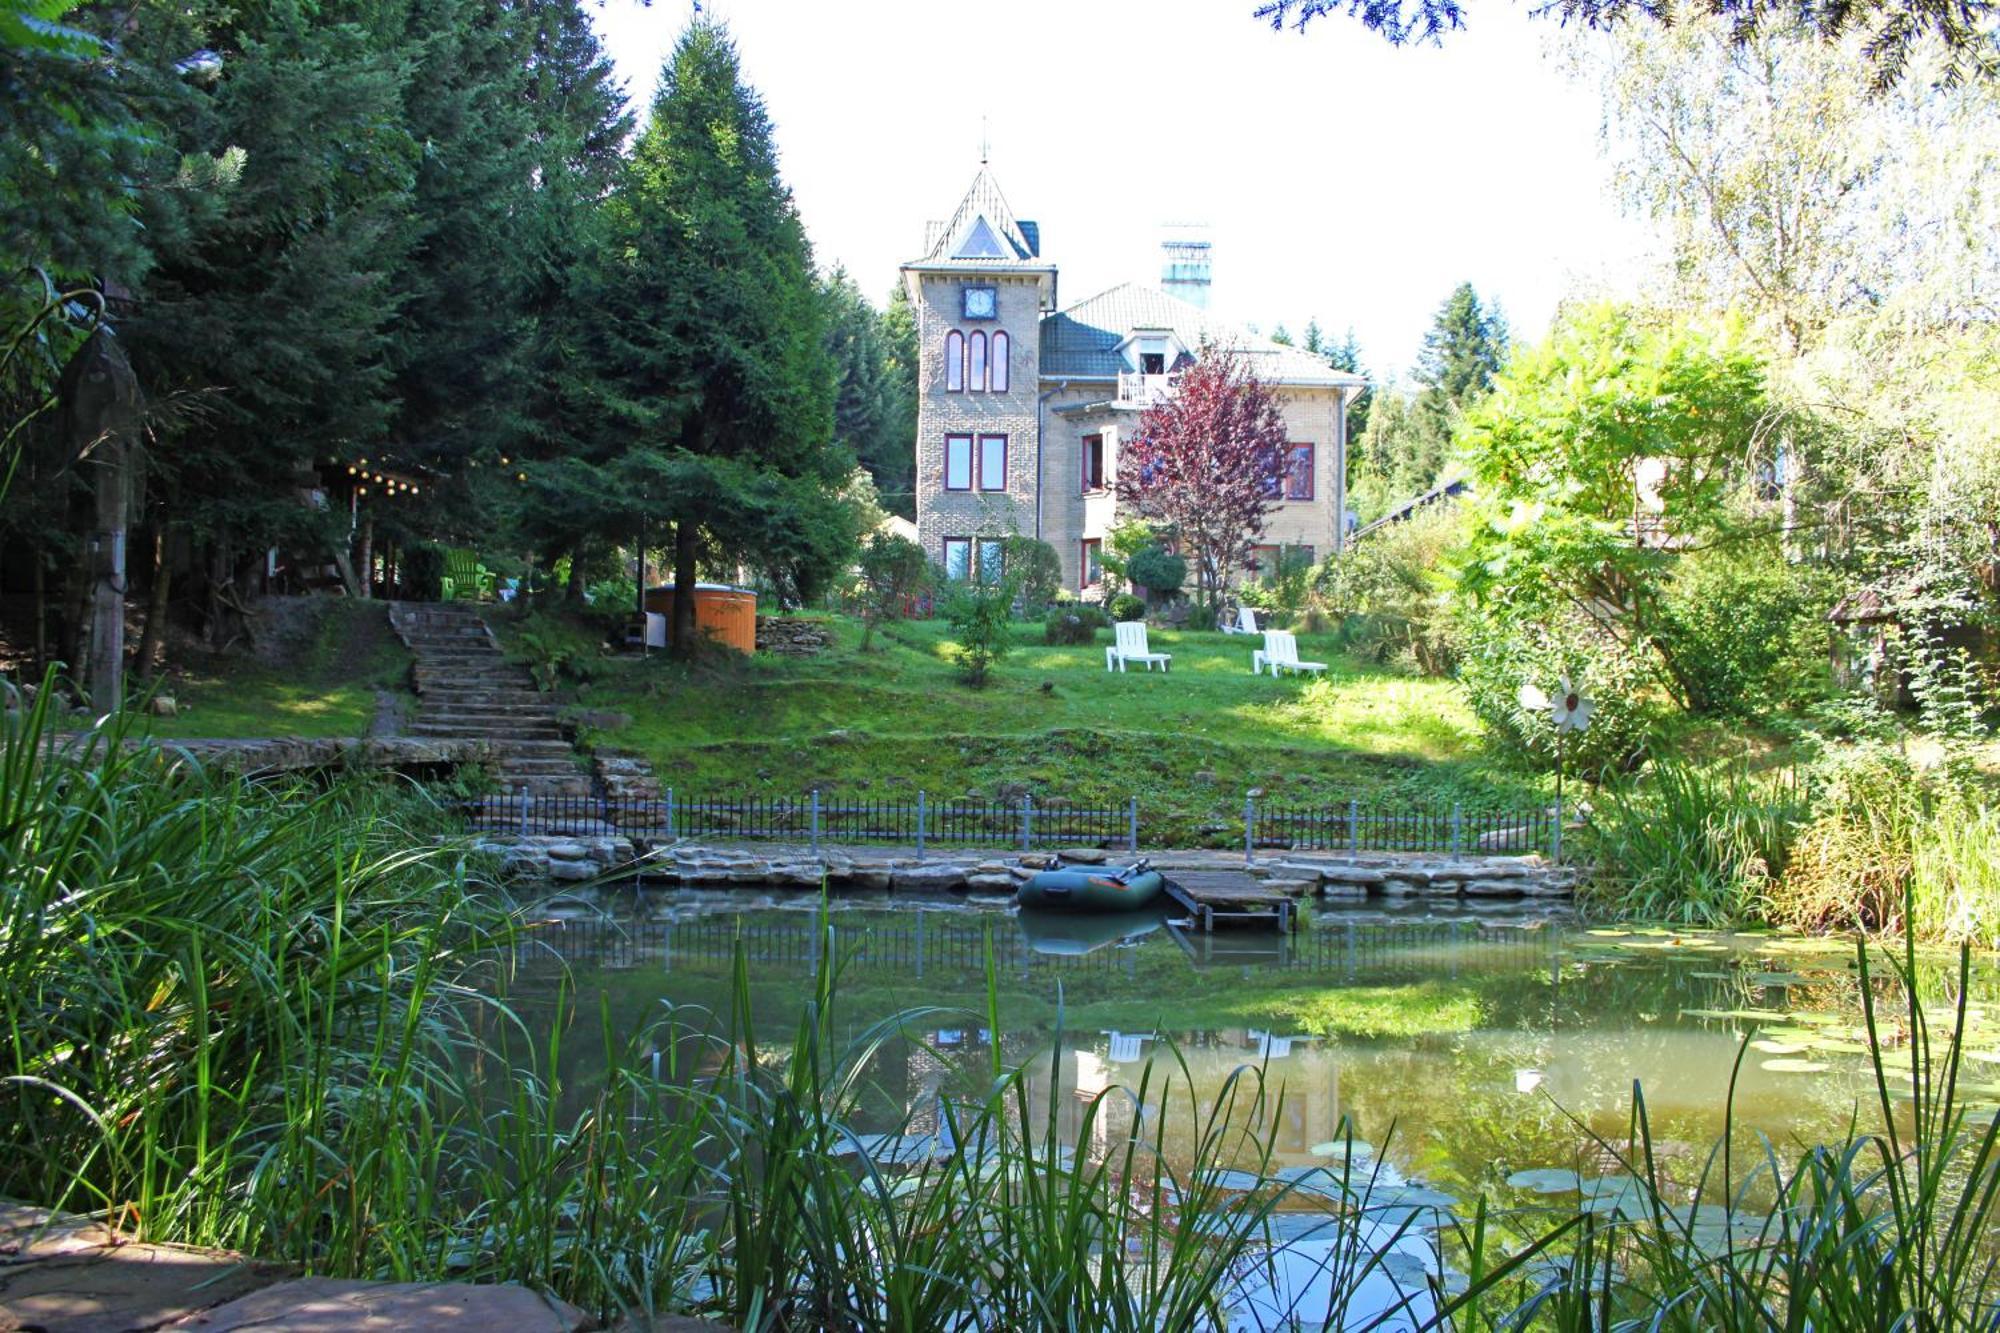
(727, 615)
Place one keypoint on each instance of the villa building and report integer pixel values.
(1022, 403)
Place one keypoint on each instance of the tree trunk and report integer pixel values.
(367, 558)
(682, 638)
(100, 397)
(152, 644)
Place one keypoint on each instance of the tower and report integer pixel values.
(1187, 259)
(979, 291)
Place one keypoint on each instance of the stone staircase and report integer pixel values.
(466, 690)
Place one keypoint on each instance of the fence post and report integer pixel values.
(1457, 829)
(1132, 824)
(1354, 828)
(1028, 822)
(521, 798)
(920, 826)
(815, 821)
(1249, 831)
(1556, 834)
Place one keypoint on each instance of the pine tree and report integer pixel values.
(272, 298)
(720, 331)
(568, 428)
(899, 346)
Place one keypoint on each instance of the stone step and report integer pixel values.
(488, 712)
(464, 659)
(491, 729)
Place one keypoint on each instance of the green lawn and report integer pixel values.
(888, 722)
(329, 691)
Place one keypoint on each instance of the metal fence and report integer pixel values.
(1354, 828)
(816, 819)
(1022, 825)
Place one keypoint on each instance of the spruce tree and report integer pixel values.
(720, 331)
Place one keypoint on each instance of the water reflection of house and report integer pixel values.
(1301, 1087)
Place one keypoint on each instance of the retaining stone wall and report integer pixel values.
(593, 851)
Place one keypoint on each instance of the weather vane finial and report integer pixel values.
(984, 145)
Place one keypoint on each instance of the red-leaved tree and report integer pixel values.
(1209, 461)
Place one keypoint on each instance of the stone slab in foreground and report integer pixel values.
(331, 1305)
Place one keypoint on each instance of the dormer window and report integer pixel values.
(1152, 363)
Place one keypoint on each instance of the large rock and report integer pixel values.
(331, 1305)
(574, 872)
(938, 876)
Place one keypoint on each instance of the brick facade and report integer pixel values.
(1049, 408)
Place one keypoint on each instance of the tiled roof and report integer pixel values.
(1020, 242)
(1082, 341)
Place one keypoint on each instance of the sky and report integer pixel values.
(1339, 179)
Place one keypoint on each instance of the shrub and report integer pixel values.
(1391, 589)
(1714, 597)
(1126, 607)
(894, 571)
(1157, 570)
(1498, 654)
(551, 647)
(1035, 570)
(1072, 623)
(978, 614)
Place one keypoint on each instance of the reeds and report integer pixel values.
(1691, 847)
(256, 1017)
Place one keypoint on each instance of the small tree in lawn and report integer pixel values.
(893, 570)
(1209, 463)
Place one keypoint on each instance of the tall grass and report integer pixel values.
(1693, 847)
(255, 1017)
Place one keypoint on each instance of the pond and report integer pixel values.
(1447, 1056)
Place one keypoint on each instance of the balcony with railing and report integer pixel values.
(1142, 390)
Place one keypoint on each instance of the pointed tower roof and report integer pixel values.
(983, 232)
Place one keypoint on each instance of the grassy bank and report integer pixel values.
(326, 685)
(895, 719)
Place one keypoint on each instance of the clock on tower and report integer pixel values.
(981, 302)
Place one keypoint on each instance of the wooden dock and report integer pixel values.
(1228, 898)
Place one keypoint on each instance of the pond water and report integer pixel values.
(1464, 1055)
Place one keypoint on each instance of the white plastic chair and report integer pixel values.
(1246, 622)
(1280, 653)
(1132, 647)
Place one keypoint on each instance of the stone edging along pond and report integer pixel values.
(594, 855)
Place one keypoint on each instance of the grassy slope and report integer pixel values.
(330, 691)
(893, 720)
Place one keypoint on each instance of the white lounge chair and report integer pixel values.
(1246, 622)
(1131, 647)
(1280, 653)
(1126, 1047)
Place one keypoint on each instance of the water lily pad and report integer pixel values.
(1770, 1047)
(1547, 1180)
(1754, 1015)
(1838, 1046)
(1777, 979)
(1792, 1065)
(1984, 1057)
(1609, 934)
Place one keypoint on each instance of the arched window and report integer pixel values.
(975, 368)
(1000, 351)
(954, 361)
